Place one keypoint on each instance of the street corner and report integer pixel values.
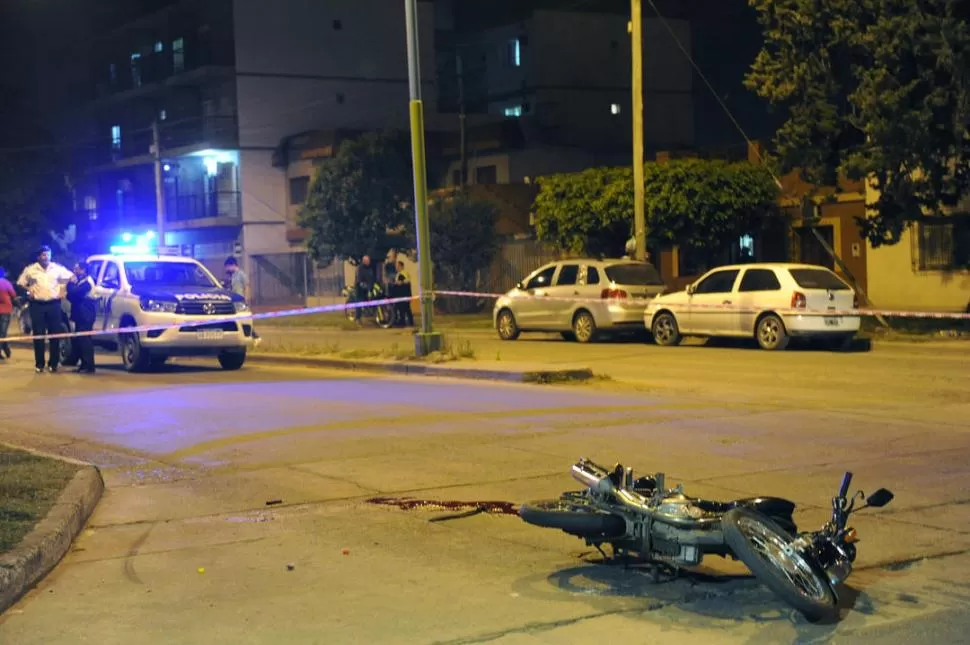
(51, 538)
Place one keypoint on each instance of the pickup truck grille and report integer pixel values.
(195, 308)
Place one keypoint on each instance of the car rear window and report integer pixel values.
(634, 274)
(818, 279)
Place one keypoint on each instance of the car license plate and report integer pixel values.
(210, 334)
(832, 321)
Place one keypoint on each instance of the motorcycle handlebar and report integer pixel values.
(846, 482)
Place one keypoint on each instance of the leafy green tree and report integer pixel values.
(464, 242)
(874, 89)
(707, 204)
(359, 201)
(586, 213)
(697, 203)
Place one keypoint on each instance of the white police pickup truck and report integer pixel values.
(152, 290)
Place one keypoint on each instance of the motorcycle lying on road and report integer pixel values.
(640, 517)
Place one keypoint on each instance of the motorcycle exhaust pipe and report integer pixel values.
(590, 475)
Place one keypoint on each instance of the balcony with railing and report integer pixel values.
(176, 137)
(218, 205)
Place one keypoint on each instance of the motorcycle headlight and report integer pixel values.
(241, 307)
(159, 306)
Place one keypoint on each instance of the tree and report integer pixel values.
(697, 203)
(359, 201)
(463, 243)
(706, 205)
(586, 213)
(874, 89)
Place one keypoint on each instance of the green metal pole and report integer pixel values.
(426, 340)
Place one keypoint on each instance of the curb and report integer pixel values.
(51, 538)
(412, 369)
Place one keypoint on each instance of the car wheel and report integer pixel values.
(771, 333)
(232, 360)
(665, 330)
(506, 325)
(133, 355)
(68, 357)
(584, 327)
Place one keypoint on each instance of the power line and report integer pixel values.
(717, 96)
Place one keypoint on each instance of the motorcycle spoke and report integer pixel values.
(776, 551)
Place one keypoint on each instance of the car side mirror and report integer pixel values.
(520, 286)
(691, 289)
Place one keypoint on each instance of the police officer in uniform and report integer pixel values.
(80, 293)
(402, 289)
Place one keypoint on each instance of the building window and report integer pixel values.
(136, 69)
(615, 108)
(515, 52)
(162, 115)
(943, 244)
(159, 47)
(299, 189)
(514, 111)
(486, 175)
(178, 55)
(116, 137)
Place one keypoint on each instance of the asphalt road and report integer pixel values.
(184, 548)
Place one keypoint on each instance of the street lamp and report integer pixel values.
(426, 340)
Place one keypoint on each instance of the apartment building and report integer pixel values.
(226, 82)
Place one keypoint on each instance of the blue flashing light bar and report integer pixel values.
(140, 245)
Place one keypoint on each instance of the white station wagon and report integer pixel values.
(761, 301)
(579, 298)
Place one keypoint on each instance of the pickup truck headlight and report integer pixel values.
(241, 307)
(158, 306)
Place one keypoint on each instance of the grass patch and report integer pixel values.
(453, 349)
(339, 320)
(916, 328)
(29, 486)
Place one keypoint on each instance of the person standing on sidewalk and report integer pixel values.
(7, 296)
(83, 311)
(44, 281)
(239, 284)
(402, 289)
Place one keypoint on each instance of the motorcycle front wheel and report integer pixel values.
(385, 316)
(768, 551)
(574, 515)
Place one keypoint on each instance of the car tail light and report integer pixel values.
(612, 294)
(798, 301)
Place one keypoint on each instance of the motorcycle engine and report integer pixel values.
(680, 507)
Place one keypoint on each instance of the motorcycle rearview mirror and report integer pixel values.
(880, 498)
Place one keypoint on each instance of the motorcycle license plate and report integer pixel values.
(832, 321)
(210, 334)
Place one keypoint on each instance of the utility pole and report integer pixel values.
(156, 150)
(426, 340)
(462, 122)
(639, 215)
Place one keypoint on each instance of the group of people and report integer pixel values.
(397, 284)
(47, 284)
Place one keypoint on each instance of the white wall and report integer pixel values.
(292, 63)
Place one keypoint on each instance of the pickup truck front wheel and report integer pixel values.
(133, 355)
(232, 360)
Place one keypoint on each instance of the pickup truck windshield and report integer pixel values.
(168, 274)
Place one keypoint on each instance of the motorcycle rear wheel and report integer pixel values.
(766, 549)
(572, 514)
